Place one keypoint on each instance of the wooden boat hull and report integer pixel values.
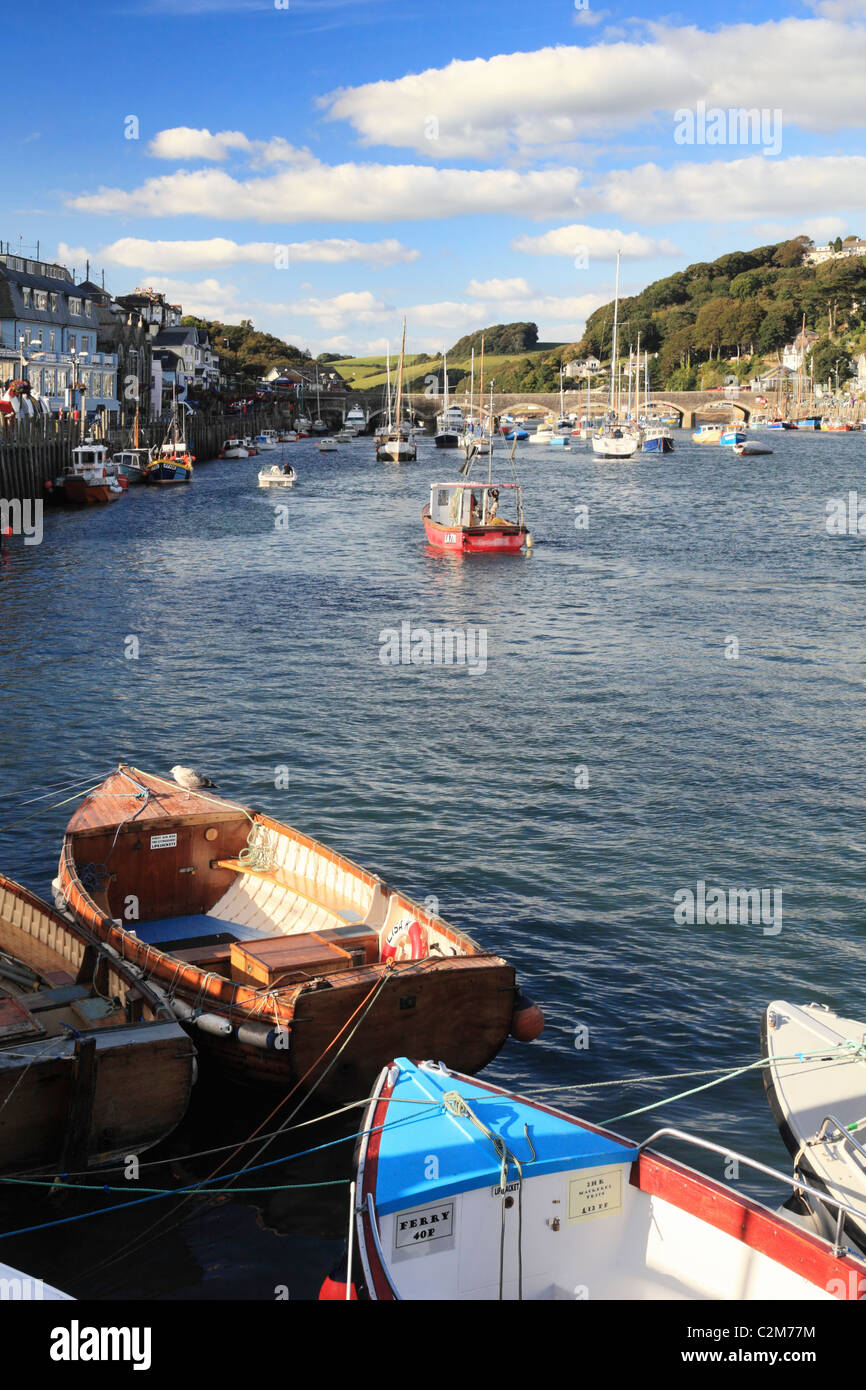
(79, 491)
(165, 474)
(113, 1086)
(495, 540)
(177, 857)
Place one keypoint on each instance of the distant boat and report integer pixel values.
(708, 434)
(277, 475)
(613, 440)
(130, 464)
(734, 434)
(93, 1064)
(747, 447)
(266, 441)
(327, 446)
(233, 449)
(657, 439)
(526, 1202)
(172, 462)
(396, 443)
(450, 424)
(356, 420)
(91, 478)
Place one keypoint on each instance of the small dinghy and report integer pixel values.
(288, 963)
(327, 445)
(278, 475)
(467, 1192)
(750, 447)
(93, 1064)
(816, 1087)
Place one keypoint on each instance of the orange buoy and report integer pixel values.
(527, 1020)
(333, 1289)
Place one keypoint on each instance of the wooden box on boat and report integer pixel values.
(194, 863)
(287, 959)
(93, 1065)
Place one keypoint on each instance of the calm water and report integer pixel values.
(259, 647)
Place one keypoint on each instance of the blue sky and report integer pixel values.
(326, 167)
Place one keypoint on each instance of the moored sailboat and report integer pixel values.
(396, 443)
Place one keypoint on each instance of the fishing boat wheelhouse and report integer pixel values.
(290, 964)
(93, 1064)
(465, 516)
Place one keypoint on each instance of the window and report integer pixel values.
(88, 308)
(41, 299)
(48, 382)
(36, 379)
(74, 306)
(52, 337)
(53, 302)
(62, 380)
(73, 342)
(25, 295)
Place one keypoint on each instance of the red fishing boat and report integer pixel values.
(465, 516)
(288, 963)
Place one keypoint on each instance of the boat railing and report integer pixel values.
(844, 1134)
(842, 1208)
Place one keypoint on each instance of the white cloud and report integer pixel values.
(343, 193)
(515, 288)
(524, 100)
(207, 299)
(731, 190)
(599, 243)
(220, 251)
(183, 143)
(333, 314)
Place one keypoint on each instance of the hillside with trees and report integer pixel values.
(501, 339)
(735, 314)
(245, 353)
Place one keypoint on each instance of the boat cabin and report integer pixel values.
(89, 458)
(475, 504)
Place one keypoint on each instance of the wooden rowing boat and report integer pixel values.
(93, 1065)
(292, 965)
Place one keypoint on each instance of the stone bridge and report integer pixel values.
(685, 404)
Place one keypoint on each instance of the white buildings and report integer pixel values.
(48, 334)
(582, 368)
(851, 246)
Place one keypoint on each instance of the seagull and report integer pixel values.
(189, 779)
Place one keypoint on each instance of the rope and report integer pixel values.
(455, 1104)
(45, 809)
(54, 788)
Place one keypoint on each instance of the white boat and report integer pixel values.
(356, 420)
(277, 475)
(234, 449)
(395, 443)
(302, 424)
(816, 1087)
(327, 445)
(615, 443)
(130, 464)
(344, 436)
(450, 424)
(265, 441)
(466, 1192)
(750, 447)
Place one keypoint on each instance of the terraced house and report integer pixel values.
(48, 334)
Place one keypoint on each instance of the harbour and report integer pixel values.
(552, 917)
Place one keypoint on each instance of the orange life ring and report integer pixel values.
(406, 940)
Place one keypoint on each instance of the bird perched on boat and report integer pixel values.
(189, 779)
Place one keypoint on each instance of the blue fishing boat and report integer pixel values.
(657, 440)
(735, 434)
(465, 1191)
(172, 462)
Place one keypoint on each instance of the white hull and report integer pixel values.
(275, 477)
(607, 446)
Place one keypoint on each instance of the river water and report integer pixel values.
(672, 693)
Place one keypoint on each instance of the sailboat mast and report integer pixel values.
(637, 380)
(445, 374)
(472, 386)
(615, 328)
(399, 402)
(388, 376)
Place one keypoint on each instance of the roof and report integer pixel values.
(466, 1156)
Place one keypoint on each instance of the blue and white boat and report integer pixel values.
(465, 1191)
(657, 439)
(734, 434)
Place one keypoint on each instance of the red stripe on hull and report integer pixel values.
(463, 538)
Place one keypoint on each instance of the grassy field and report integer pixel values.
(369, 373)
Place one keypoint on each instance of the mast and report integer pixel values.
(637, 380)
(399, 400)
(445, 374)
(388, 387)
(472, 387)
(561, 399)
(481, 384)
(613, 340)
(490, 441)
